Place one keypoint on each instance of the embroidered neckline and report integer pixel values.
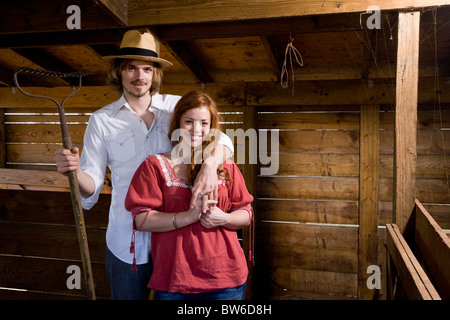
(172, 179)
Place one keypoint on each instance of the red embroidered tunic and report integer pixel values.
(192, 259)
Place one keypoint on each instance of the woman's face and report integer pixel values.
(197, 123)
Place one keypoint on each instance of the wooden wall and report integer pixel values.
(307, 215)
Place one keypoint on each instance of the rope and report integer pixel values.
(289, 52)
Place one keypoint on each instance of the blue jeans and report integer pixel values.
(236, 293)
(125, 283)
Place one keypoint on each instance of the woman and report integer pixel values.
(195, 255)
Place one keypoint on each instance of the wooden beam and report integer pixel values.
(2, 139)
(335, 92)
(257, 94)
(264, 27)
(274, 56)
(368, 198)
(406, 117)
(181, 51)
(250, 174)
(229, 29)
(61, 38)
(24, 16)
(170, 12)
(47, 62)
(117, 9)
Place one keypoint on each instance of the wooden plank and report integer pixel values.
(406, 117)
(337, 92)
(439, 212)
(329, 188)
(311, 141)
(35, 179)
(287, 283)
(49, 207)
(308, 258)
(43, 133)
(169, 12)
(15, 60)
(428, 142)
(28, 17)
(50, 241)
(333, 237)
(323, 164)
(249, 234)
(48, 275)
(325, 93)
(368, 198)
(412, 276)
(88, 97)
(308, 210)
(310, 120)
(181, 51)
(434, 246)
(3, 139)
(32, 153)
(95, 97)
(117, 9)
(319, 93)
(428, 166)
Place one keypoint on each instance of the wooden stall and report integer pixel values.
(345, 141)
(418, 268)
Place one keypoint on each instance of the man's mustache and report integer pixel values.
(138, 82)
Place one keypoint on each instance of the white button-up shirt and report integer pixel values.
(118, 138)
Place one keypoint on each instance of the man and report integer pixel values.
(121, 136)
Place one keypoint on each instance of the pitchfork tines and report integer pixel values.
(51, 74)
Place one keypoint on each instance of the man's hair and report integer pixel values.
(115, 75)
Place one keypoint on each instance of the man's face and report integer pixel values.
(137, 78)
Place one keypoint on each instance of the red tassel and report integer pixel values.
(134, 264)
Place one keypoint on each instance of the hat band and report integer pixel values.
(131, 51)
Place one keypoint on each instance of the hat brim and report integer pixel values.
(162, 62)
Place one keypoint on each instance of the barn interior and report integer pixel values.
(350, 103)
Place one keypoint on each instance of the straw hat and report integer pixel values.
(140, 46)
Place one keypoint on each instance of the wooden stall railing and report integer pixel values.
(434, 246)
(38, 238)
(418, 270)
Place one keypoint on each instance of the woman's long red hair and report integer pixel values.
(193, 100)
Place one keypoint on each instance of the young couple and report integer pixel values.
(191, 210)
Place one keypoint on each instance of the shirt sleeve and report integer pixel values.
(145, 190)
(238, 194)
(93, 160)
(226, 141)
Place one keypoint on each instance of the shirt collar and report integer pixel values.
(157, 103)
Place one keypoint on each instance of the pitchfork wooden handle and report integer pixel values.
(73, 180)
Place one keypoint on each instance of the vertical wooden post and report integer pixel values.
(368, 198)
(2, 138)
(250, 173)
(406, 117)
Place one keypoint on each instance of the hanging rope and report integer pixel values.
(289, 52)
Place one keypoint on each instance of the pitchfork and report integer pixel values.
(73, 182)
